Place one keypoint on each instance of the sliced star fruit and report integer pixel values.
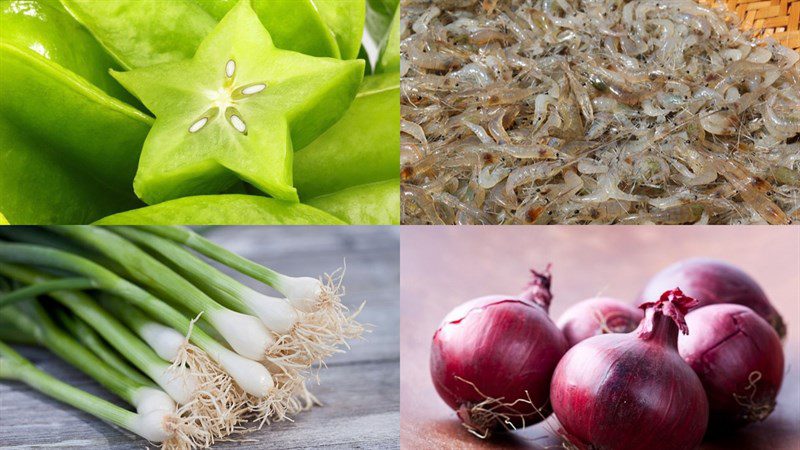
(140, 33)
(81, 124)
(235, 111)
(230, 209)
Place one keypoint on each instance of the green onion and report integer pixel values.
(63, 345)
(124, 334)
(305, 338)
(91, 340)
(45, 287)
(245, 333)
(180, 386)
(188, 379)
(185, 427)
(9, 332)
(161, 338)
(304, 293)
(150, 426)
(249, 375)
(40, 236)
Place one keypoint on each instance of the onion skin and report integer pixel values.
(632, 391)
(499, 349)
(711, 282)
(596, 316)
(739, 359)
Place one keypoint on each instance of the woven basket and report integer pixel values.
(777, 18)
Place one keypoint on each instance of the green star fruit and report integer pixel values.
(235, 111)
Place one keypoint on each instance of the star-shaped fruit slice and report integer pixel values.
(235, 111)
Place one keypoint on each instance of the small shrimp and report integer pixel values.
(786, 176)
(413, 130)
(785, 126)
(581, 95)
(677, 215)
(422, 58)
(751, 189)
(528, 174)
(415, 197)
(492, 174)
(420, 26)
(451, 201)
(618, 92)
(603, 212)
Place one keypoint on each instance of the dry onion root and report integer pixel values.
(569, 111)
(218, 403)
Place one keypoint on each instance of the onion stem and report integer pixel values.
(64, 346)
(155, 409)
(303, 340)
(217, 253)
(249, 375)
(15, 367)
(246, 334)
(91, 340)
(113, 331)
(44, 287)
(321, 300)
(189, 379)
(161, 338)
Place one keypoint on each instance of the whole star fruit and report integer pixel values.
(362, 147)
(367, 204)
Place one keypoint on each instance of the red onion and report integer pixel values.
(711, 282)
(492, 359)
(739, 360)
(598, 315)
(633, 391)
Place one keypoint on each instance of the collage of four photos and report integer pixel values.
(412, 224)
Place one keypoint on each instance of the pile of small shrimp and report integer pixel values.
(595, 111)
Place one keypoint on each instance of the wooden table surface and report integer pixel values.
(444, 266)
(359, 389)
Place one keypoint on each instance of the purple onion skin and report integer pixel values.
(507, 348)
(630, 392)
(739, 359)
(710, 282)
(596, 316)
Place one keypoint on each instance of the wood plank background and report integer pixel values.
(444, 266)
(359, 390)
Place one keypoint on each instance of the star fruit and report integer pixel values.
(235, 111)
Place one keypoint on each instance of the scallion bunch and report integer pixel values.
(142, 311)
